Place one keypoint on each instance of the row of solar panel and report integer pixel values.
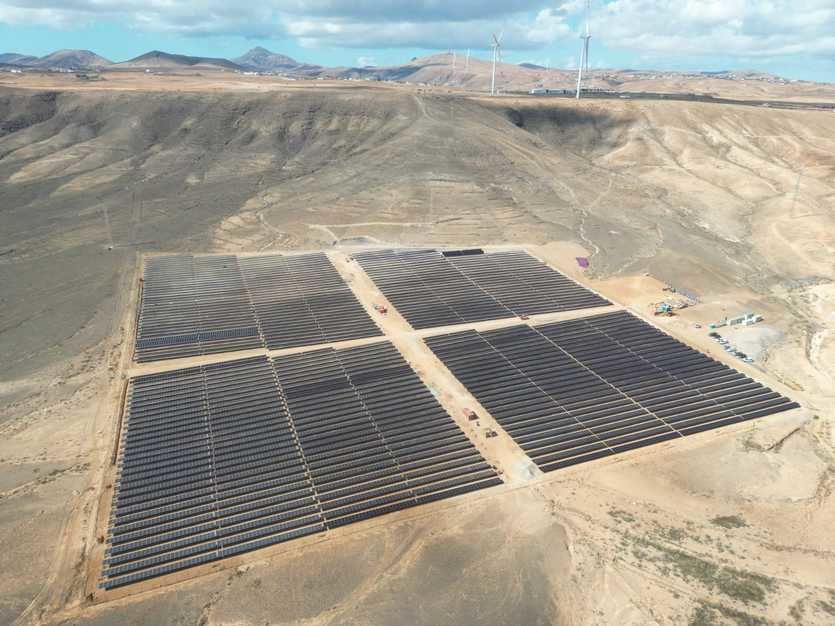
(361, 415)
(683, 387)
(573, 391)
(524, 285)
(244, 480)
(192, 306)
(302, 300)
(430, 288)
(240, 454)
(173, 281)
(210, 304)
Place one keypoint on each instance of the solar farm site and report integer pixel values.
(230, 457)
(196, 305)
(574, 391)
(439, 288)
(233, 455)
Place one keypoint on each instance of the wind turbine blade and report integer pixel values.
(499, 40)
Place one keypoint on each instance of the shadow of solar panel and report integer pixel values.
(223, 458)
(573, 391)
(431, 288)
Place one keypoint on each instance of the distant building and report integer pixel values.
(745, 320)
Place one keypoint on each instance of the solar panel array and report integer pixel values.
(431, 288)
(569, 392)
(192, 306)
(302, 300)
(209, 304)
(230, 457)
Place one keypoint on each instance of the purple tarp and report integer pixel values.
(582, 261)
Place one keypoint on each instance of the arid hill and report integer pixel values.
(262, 60)
(732, 202)
(13, 58)
(58, 60)
(475, 75)
(456, 71)
(167, 61)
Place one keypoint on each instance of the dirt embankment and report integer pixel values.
(735, 203)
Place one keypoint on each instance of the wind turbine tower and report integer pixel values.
(497, 45)
(584, 52)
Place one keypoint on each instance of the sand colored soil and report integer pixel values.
(732, 203)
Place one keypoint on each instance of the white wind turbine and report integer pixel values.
(496, 45)
(584, 52)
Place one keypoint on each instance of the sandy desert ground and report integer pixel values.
(434, 75)
(734, 203)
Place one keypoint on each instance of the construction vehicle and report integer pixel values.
(663, 308)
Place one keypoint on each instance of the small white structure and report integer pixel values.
(746, 319)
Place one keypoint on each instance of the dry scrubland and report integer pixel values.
(736, 203)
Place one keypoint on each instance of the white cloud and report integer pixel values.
(653, 28)
(519, 33)
(349, 23)
(751, 28)
(200, 17)
(410, 10)
(366, 62)
(548, 26)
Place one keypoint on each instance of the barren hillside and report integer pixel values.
(456, 71)
(735, 203)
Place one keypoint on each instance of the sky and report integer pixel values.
(792, 38)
